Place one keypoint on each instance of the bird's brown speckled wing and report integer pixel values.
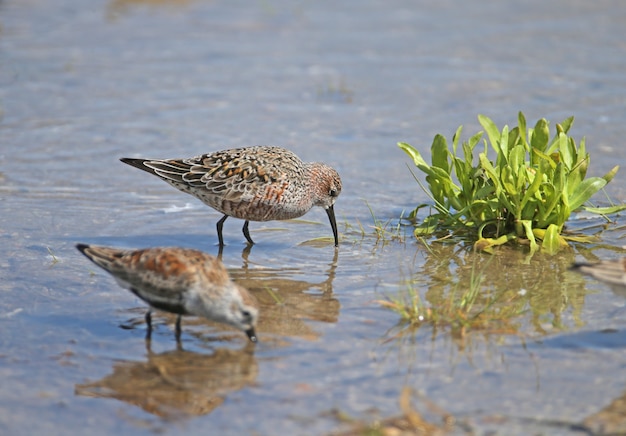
(235, 175)
(158, 276)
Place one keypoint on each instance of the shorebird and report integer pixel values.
(259, 183)
(180, 281)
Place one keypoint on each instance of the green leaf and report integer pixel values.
(521, 123)
(514, 138)
(560, 128)
(418, 160)
(456, 138)
(437, 190)
(517, 158)
(585, 239)
(484, 192)
(552, 240)
(547, 207)
(488, 167)
(528, 230)
(462, 171)
(584, 191)
(609, 176)
(559, 181)
(544, 157)
(475, 139)
(582, 151)
(492, 131)
(439, 151)
(487, 244)
(567, 155)
(540, 135)
(503, 146)
(577, 173)
(567, 123)
(468, 148)
(428, 226)
(533, 188)
(509, 182)
(605, 210)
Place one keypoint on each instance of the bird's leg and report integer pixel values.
(149, 324)
(178, 328)
(220, 225)
(246, 233)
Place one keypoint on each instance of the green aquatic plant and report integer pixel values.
(460, 311)
(383, 231)
(278, 300)
(386, 231)
(55, 259)
(527, 194)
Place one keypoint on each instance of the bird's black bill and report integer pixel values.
(251, 335)
(331, 216)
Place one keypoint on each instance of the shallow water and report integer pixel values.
(82, 86)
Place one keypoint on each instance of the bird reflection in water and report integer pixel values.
(177, 383)
(286, 304)
(181, 383)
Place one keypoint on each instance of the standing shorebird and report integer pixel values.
(253, 184)
(180, 281)
(610, 271)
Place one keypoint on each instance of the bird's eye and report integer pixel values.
(332, 193)
(247, 315)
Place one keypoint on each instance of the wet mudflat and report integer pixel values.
(82, 86)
